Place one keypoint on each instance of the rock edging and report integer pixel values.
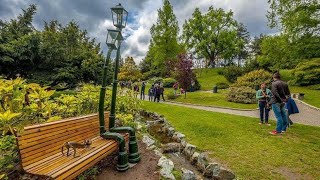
(208, 167)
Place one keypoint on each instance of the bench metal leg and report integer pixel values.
(123, 164)
(134, 156)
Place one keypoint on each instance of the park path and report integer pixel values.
(307, 115)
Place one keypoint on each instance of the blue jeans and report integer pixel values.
(264, 112)
(280, 113)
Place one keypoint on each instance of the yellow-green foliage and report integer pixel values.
(245, 95)
(307, 73)
(253, 79)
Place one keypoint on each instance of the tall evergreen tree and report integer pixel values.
(164, 44)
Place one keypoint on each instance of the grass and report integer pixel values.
(242, 145)
(209, 77)
(213, 99)
(311, 97)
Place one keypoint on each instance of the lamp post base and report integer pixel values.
(123, 164)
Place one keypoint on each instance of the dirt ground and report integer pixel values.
(146, 169)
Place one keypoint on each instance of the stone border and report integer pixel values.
(238, 109)
(208, 167)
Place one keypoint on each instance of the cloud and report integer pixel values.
(95, 17)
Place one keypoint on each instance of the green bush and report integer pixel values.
(307, 73)
(168, 82)
(245, 95)
(197, 85)
(9, 155)
(232, 72)
(155, 80)
(220, 72)
(170, 95)
(222, 85)
(253, 79)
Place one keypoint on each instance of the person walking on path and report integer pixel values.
(157, 93)
(143, 87)
(263, 95)
(161, 92)
(151, 93)
(280, 95)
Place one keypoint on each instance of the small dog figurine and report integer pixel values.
(75, 145)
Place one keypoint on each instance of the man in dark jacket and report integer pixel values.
(157, 93)
(280, 95)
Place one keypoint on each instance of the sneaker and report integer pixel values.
(268, 124)
(283, 132)
(260, 123)
(274, 133)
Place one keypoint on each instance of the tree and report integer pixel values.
(18, 44)
(164, 44)
(57, 54)
(299, 23)
(295, 17)
(242, 44)
(129, 70)
(212, 35)
(184, 74)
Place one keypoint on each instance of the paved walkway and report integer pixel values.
(307, 115)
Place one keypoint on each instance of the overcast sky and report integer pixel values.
(95, 16)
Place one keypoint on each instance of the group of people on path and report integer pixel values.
(155, 92)
(279, 100)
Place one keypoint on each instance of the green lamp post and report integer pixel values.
(113, 39)
(119, 17)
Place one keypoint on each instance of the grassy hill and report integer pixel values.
(209, 77)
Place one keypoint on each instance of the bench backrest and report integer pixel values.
(41, 141)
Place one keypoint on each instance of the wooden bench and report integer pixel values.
(40, 147)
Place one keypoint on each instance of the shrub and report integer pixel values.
(243, 94)
(232, 72)
(155, 80)
(253, 79)
(220, 72)
(307, 73)
(197, 85)
(170, 95)
(222, 85)
(168, 82)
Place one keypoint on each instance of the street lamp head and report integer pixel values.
(119, 16)
(113, 38)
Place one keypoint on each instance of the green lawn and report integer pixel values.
(209, 77)
(311, 96)
(212, 99)
(246, 147)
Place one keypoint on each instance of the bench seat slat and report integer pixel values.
(58, 139)
(64, 160)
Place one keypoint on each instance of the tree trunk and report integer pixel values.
(185, 94)
(212, 62)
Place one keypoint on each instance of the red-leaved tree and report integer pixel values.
(184, 74)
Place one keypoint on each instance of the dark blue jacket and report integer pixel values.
(292, 107)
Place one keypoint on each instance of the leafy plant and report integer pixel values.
(307, 73)
(222, 85)
(253, 79)
(168, 82)
(242, 94)
(9, 155)
(231, 73)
